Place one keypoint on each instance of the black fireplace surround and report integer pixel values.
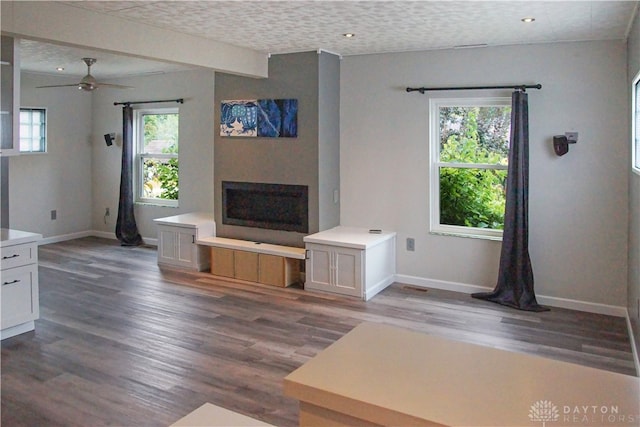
(272, 206)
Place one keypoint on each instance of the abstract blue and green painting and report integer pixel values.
(238, 118)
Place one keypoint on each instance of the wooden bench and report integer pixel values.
(265, 263)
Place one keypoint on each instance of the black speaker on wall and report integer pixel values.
(109, 138)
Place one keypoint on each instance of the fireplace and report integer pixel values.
(272, 206)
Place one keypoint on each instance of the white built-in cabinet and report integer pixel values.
(334, 269)
(19, 296)
(9, 96)
(177, 236)
(350, 261)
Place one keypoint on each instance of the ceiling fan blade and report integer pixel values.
(69, 85)
(88, 82)
(115, 86)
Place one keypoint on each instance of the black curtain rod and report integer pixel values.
(520, 87)
(179, 101)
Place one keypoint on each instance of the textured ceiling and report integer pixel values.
(379, 26)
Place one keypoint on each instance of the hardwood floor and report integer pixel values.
(121, 342)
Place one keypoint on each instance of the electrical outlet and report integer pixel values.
(54, 214)
(411, 244)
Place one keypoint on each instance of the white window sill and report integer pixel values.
(157, 204)
(466, 235)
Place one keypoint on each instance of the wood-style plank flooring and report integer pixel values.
(122, 342)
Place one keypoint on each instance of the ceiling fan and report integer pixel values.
(88, 82)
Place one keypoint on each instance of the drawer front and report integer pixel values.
(20, 302)
(17, 255)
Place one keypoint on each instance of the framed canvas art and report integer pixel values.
(266, 118)
(238, 118)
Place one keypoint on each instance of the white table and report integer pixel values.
(384, 375)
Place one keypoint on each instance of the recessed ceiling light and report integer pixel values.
(527, 20)
(349, 35)
(60, 69)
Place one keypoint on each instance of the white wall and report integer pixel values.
(578, 203)
(60, 179)
(197, 128)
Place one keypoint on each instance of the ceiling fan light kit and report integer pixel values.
(88, 82)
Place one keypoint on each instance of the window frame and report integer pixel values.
(140, 156)
(44, 143)
(435, 227)
(635, 124)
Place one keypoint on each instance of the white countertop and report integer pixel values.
(393, 376)
(350, 237)
(190, 220)
(9, 237)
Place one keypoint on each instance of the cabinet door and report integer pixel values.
(334, 269)
(347, 270)
(246, 265)
(186, 250)
(222, 262)
(318, 267)
(271, 270)
(19, 295)
(167, 245)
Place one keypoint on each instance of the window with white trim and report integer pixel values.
(33, 130)
(469, 149)
(156, 161)
(635, 123)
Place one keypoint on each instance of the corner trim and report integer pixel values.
(590, 307)
(634, 349)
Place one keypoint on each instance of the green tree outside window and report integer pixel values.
(474, 149)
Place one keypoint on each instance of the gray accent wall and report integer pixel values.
(311, 159)
(328, 142)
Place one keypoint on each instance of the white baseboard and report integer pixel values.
(65, 237)
(422, 282)
(104, 234)
(634, 349)
(18, 329)
(378, 287)
(150, 241)
(590, 307)
(90, 233)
